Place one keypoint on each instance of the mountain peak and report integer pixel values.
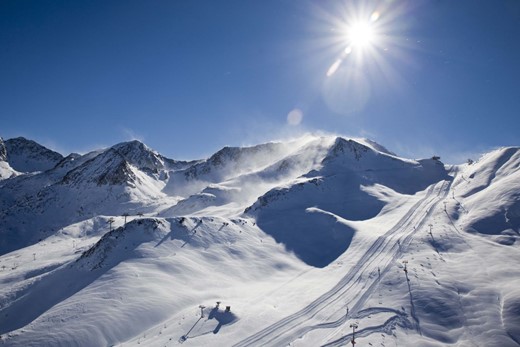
(131, 145)
(108, 168)
(343, 146)
(227, 154)
(140, 155)
(234, 160)
(28, 156)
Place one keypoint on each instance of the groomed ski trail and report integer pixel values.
(298, 324)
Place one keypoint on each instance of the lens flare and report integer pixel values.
(375, 16)
(295, 117)
(334, 67)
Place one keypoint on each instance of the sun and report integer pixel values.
(360, 34)
(360, 37)
(366, 42)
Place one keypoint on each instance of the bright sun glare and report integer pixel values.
(362, 37)
(360, 34)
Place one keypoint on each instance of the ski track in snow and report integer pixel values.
(383, 251)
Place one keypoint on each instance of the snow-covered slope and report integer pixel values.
(228, 163)
(146, 159)
(341, 188)
(230, 184)
(490, 195)
(303, 240)
(3, 150)
(105, 182)
(6, 171)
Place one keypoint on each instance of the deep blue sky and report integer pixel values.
(188, 77)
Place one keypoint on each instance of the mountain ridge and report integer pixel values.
(28, 156)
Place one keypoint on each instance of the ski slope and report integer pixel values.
(352, 290)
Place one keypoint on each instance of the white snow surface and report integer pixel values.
(309, 242)
(6, 171)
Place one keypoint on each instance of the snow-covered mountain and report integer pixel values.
(26, 155)
(340, 187)
(125, 178)
(309, 242)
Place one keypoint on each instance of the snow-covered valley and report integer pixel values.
(308, 242)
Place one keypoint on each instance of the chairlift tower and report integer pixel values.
(125, 215)
(110, 221)
(354, 327)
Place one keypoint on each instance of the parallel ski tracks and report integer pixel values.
(294, 326)
(442, 194)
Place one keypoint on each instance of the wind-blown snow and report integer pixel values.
(301, 239)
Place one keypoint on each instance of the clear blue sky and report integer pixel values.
(188, 77)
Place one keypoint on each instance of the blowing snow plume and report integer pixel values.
(237, 176)
(307, 214)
